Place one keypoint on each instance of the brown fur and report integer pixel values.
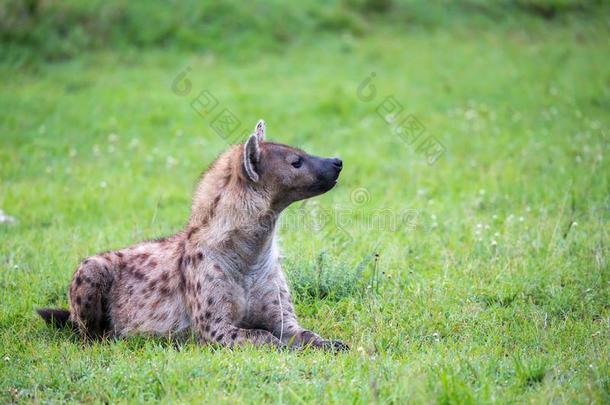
(219, 277)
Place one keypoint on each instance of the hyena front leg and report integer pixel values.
(211, 302)
(306, 337)
(287, 328)
(278, 314)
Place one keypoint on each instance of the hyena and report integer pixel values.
(220, 277)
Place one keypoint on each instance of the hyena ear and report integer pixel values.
(259, 130)
(252, 155)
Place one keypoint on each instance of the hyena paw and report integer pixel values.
(334, 345)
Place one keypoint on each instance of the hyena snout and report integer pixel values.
(337, 163)
(328, 174)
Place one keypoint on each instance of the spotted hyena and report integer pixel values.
(220, 277)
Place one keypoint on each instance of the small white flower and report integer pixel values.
(470, 114)
(103, 184)
(521, 219)
(494, 243)
(113, 138)
(170, 162)
(6, 219)
(72, 152)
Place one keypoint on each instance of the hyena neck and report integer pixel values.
(229, 213)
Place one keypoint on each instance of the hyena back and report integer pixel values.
(220, 276)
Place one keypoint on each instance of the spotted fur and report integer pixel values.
(221, 276)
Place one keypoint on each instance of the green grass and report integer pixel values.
(498, 294)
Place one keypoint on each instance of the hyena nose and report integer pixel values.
(338, 163)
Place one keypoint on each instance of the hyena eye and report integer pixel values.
(297, 163)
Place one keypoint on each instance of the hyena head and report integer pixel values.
(287, 174)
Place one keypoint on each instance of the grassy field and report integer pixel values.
(494, 289)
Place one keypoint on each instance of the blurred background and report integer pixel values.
(463, 254)
(58, 30)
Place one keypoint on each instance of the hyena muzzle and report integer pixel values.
(220, 277)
